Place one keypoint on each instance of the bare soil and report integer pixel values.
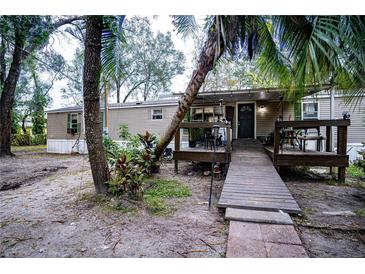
(52, 212)
(333, 220)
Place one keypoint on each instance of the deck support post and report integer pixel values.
(177, 148)
(329, 142)
(341, 149)
(276, 143)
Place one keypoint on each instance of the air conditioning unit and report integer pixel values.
(71, 130)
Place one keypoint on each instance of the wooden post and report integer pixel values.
(341, 149)
(228, 130)
(276, 143)
(329, 142)
(177, 148)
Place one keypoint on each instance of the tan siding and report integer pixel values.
(356, 132)
(139, 120)
(57, 126)
(266, 117)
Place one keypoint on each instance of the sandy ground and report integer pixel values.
(47, 215)
(329, 226)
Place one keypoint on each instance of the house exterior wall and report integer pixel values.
(355, 132)
(57, 126)
(266, 117)
(139, 120)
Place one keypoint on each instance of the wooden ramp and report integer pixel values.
(252, 182)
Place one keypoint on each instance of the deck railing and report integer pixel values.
(199, 155)
(310, 159)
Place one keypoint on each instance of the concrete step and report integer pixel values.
(258, 216)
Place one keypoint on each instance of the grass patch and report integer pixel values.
(28, 148)
(355, 171)
(158, 197)
(106, 203)
(360, 212)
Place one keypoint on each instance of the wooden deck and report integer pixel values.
(252, 182)
(289, 156)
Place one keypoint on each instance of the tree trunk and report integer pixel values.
(205, 64)
(23, 124)
(91, 79)
(7, 96)
(118, 91)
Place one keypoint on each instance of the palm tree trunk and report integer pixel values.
(207, 59)
(8, 94)
(91, 79)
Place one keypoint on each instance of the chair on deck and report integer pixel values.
(307, 137)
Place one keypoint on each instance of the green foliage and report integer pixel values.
(130, 164)
(27, 140)
(124, 132)
(360, 212)
(158, 196)
(39, 139)
(112, 150)
(167, 189)
(21, 140)
(360, 163)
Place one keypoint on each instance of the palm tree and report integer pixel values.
(297, 50)
(100, 40)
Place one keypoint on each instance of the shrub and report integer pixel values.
(360, 162)
(39, 139)
(130, 164)
(21, 140)
(112, 150)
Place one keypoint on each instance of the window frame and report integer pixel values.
(153, 114)
(310, 118)
(71, 125)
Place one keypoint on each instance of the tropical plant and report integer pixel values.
(294, 50)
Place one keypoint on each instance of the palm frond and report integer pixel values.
(112, 41)
(184, 24)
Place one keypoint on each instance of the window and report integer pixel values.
(157, 114)
(73, 124)
(310, 110)
(206, 114)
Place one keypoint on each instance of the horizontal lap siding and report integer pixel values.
(266, 118)
(356, 131)
(139, 120)
(57, 126)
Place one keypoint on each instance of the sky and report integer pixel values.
(65, 45)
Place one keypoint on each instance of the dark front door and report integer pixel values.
(246, 120)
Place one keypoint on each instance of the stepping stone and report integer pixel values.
(258, 216)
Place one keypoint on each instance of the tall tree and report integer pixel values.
(91, 79)
(143, 63)
(24, 35)
(295, 50)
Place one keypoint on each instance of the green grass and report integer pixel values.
(28, 148)
(360, 212)
(355, 171)
(158, 197)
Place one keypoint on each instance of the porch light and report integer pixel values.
(262, 107)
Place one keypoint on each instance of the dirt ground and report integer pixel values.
(333, 221)
(47, 210)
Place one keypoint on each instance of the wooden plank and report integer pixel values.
(312, 123)
(342, 150)
(177, 148)
(207, 156)
(252, 187)
(203, 125)
(312, 160)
